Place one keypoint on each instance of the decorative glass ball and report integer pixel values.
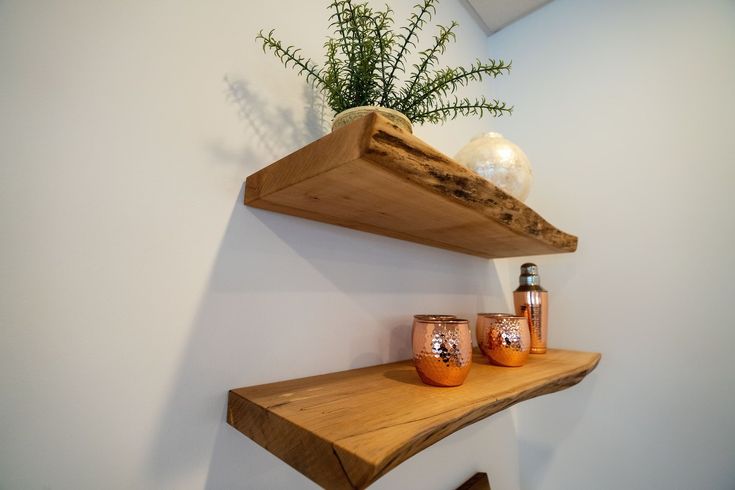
(500, 161)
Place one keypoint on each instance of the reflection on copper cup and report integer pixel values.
(481, 328)
(433, 317)
(504, 338)
(442, 349)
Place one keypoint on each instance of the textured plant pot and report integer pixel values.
(347, 116)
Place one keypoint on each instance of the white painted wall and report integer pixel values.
(626, 111)
(137, 289)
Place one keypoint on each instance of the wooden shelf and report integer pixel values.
(347, 429)
(372, 176)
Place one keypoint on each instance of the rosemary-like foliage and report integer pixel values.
(366, 56)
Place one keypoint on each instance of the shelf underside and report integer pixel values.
(372, 176)
(347, 429)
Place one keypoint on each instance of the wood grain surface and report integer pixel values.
(346, 429)
(372, 176)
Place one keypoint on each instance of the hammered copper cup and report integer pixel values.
(442, 349)
(505, 339)
(429, 317)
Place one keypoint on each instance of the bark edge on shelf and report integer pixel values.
(372, 176)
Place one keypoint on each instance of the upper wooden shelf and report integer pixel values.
(372, 176)
(347, 429)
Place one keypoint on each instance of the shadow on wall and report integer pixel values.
(269, 313)
(289, 298)
(278, 130)
(538, 439)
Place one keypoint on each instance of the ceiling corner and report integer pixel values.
(496, 14)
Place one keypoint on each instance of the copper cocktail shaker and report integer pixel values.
(532, 301)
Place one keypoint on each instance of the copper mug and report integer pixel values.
(428, 317)
(442, 349)
(505, 339)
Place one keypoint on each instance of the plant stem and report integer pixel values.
(412, 31)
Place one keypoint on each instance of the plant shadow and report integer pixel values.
(277, 130)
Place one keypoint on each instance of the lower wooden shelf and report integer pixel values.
(347, 429)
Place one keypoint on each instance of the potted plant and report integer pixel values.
(366, 61)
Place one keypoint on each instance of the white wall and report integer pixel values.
(137, 289)
(626, 111)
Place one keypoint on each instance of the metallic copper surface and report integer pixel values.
(504, 338)
(428, 317)
(481, 326)
(442, 350)
(534, 305)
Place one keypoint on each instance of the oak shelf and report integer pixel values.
(347, 429)
(372, 176)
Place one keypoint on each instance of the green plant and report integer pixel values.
(367, 55)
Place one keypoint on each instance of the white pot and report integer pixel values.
(347, 116)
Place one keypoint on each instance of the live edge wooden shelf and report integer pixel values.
(345, 430)
(372, 176)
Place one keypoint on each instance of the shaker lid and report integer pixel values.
(529, 275)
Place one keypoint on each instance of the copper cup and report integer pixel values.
(505, 339)
(432, 317)
(442, 349)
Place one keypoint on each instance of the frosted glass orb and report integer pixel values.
(500, 161)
